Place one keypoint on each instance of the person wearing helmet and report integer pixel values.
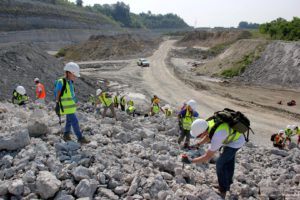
(106, 100)
(223, 136)
(39, 91)
(155, 108)
(279, 140)
(66, 102)
(123, 103)
(185, 120)
(167, 111)
(19, 96)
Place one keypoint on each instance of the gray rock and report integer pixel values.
(3, 188)
(86, 188)
(16, 187)
(47, 184)
(107, 193)
(123, 137)
(29, 176)
(37, 129)
(120, 190)
(63, 196)
(67, 146)
(279, 152)
(80, 173)
(134, 185)
(15, 140)
(7, 161)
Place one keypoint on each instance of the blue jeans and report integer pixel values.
(72, 121)
(225, 168)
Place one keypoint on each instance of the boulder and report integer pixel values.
(3, 188)
(15, 140)
(107, 193)
(80, 173)
(47, 184)
(16, 187)
(86, 188)
(37, 129)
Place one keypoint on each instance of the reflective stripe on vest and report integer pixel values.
(105, 101)
(231, 134)
(187, 121)
(67, 102)
(155, 108)
(40, 94)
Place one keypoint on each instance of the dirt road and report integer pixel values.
(163, 82)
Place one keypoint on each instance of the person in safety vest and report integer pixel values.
(186, 118)
(153, 98)
(106, 100)
(123, 103)
(66, 102)
(40, 92)
(116, 101)
(288, 134)
(167, 111)
(131, 109)
(279, 140)
(223, 136)
(155, 108)
(19, 96)
(297, 131)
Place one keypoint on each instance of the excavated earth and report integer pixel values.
(132, 158)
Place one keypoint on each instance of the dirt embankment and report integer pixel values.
(213, 38)
(278, 66)
(111, 47)
(20, 64)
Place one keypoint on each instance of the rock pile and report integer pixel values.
(132, 158)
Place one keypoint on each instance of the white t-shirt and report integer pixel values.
(220, 136)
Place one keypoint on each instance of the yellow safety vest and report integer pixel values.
(168, 113)
(131, 109)
(123, 101)
(130, 103)
(105, 101)
(155, 108)
(187, 120)
(116, 100)
(231, 134)
(20, 98)
(68, 105)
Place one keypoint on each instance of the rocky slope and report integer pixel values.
(132, 158)
(27, 14)
(279, 65)
(20, 64)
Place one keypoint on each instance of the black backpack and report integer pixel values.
(273, 137)
(235, 119)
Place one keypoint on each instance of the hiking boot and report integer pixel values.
(83, 140)
(220, 192)
(67, 137)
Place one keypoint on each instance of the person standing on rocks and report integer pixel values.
(223, 136)
(39, 91)
(19, 96)
(186, 118)
(155, 108)
(105, 99)
(116, 101)
(66, 102)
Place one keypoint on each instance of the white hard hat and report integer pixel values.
(192, 103)
(36, 79)
(281, 131)
(198, 126)
(289, 127)
(21, 90)
(98, 92)
(293, 127)
(73, 68)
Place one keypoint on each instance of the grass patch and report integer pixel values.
(240, 66)
(255, 34)
(219, 48)
(61, 53)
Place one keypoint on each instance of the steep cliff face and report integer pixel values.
(28, 14)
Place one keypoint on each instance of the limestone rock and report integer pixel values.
(15, 140)
(47, 184)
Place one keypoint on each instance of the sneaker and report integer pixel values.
(67, 137)
(83, 140)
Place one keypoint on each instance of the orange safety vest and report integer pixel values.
(42, 94)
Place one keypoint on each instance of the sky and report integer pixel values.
(213, 13)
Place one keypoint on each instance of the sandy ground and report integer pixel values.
(160, 79)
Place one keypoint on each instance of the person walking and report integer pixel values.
(279, 140)
(223, 136)
(186, 118)
(116, 101)
(19, 96)
(106, 100)
(66, 102)
(131, 108)
(155, 107)
(40, 92)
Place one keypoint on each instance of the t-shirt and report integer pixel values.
(220, 136)
(183, 112)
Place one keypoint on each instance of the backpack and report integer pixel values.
(63, 89)
(235, 119)
(273, 137)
